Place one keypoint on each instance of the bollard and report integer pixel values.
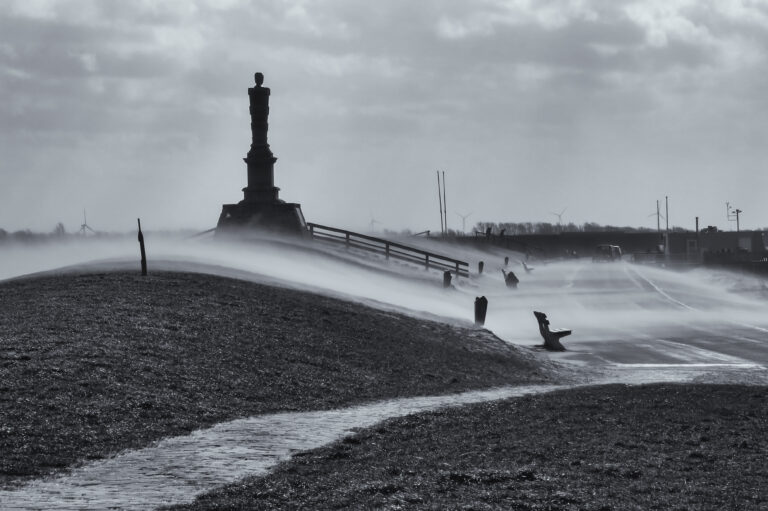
(481, 307)
(143, 253)
(506, 261)
(480, 267)
(446, 279)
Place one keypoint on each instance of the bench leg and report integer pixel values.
(552, 343)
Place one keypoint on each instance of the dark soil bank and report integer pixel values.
(676, 447)
(95, 363)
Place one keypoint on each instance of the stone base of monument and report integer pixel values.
(275, 217)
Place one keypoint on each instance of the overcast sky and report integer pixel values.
(140, 108)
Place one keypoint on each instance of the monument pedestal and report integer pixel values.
(276, 216)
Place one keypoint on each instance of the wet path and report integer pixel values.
(177, 469)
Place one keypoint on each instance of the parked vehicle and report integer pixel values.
(606, 253)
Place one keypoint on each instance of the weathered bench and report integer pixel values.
(551, 336)
(510, 279)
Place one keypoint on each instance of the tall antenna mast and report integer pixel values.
(732, 214)
(445, 205)
(440, 198)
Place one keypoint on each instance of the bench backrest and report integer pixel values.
(543, 322)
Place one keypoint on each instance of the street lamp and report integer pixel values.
(732, 214)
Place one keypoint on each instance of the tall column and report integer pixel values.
(260, 160)
(260, 210)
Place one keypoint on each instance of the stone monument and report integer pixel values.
(261, 209)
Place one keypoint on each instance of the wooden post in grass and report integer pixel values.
(143, 252)
(481, 307)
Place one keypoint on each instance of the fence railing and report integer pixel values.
(390, 249)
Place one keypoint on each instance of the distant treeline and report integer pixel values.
(58, 234)
(516, 228)
(27, 236)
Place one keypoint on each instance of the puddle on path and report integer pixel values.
(177, 469)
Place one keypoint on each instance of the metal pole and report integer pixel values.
(698, 241)
(666, 200)
(737, 219)
(658, 218)
(440, 199)
(445, 205)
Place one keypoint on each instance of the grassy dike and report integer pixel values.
(652, 447)
(92, 364)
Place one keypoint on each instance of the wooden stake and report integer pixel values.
(143, 252)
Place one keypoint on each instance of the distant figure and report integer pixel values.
(501, 234)
(488, 232)
(510, 279)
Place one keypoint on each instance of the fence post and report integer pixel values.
(387, 250)
(312, 230)
(346, 241)
(426, 262)
(481, 307)
(143, 252)
(446, 278)
(457, 271)
(480, 267)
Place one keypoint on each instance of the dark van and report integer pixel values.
(606, 253)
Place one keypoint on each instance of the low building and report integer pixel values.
(712, 246)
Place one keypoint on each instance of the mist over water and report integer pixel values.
(599, 302)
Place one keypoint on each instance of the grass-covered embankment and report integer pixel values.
(91, 364)
(665, 447)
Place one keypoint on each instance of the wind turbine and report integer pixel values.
(464, 222)
(559, 218)
(373, 223)
(658, 216)
(84, 228)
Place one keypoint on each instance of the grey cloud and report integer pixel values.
(365, 90)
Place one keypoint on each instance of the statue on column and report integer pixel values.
(261, 208)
